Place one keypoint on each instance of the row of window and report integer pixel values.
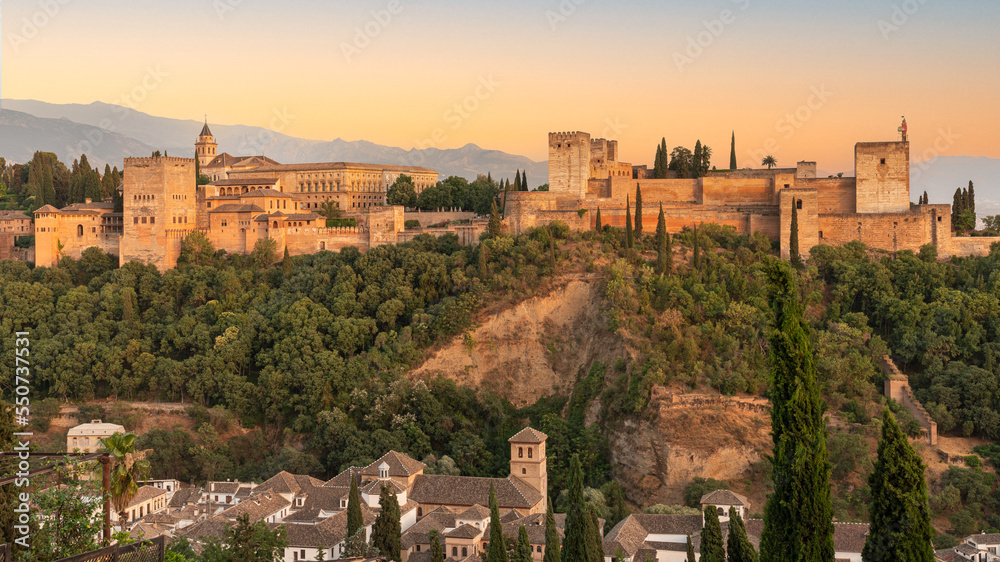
(135, 220)
(143, 197)
(177, 220)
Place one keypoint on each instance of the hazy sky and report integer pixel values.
(800, 80)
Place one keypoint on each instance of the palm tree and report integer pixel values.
(128, 468)
(769, 161)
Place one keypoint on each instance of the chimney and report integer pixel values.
(87, 201)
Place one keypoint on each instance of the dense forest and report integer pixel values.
(312, 351)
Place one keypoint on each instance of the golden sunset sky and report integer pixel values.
(800, 80)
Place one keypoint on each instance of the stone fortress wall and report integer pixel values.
(897, 387)
(873, 207)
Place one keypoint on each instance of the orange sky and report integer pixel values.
(799, 82)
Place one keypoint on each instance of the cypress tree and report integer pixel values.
(738, 546)
(732, 153)
(665, 160)
(661, 225)
(286, 264)
(971, 203)
(668, 252)
(957, 204)
(355, 520)
(690, 550)
(798, 516)
(517, 180)
(595, 550)
(597, 223)
(484, 266)
(489, 178)
(628, 224)
(696, 160)
(437, 550)
(900, 517)
(551, 536)
(656, 162)
(793, 242)
(498, 547)
(387, 532)
(662, 258)
(575, 543)
(696, 251)
(524, 180)
(48, 187)
(494, 228)
(638, 212)
(522, 552)
(711, 537)
(552, 247)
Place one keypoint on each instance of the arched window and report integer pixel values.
(529, 452)
(722, 512)
(79, 230)
(465, 551)
(275, 224)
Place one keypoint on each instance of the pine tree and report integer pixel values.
(696, 250)
(638, 212)
(355, 519)
(551, 536)
(498, 546)
(522, 552)
(732, 153)
(793, 242)
(628, 225)
(798, 516)
(495, 227)
(437, 550)
(738, 546)
(711, 537)
(575, 543)
(597, 224)
(900, 517)
(696, 160)
(286, 265)
(690, 550)
(387, 532)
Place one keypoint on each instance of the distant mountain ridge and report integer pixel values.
(126, 132)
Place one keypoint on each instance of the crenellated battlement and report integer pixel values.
(145, 161)
(567, 136)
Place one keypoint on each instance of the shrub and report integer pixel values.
(973, 461)
(661, 509)
(559, 229)
(412, 223)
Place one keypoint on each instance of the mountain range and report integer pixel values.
(108, 133)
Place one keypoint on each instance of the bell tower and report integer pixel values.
(528, 461)
(206, 146)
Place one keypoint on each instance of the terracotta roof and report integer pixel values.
(266, 192)
(322, 166)
(337, 525)
(46, 209)
(244, 181)
(13, 215)
(302, 217)
(257, 506)
(475, 513)
(465, 532)
(723, 497)
(237, 208)
(287, 483)
(419, 532)
(223, 487)
(945, 554)
(214, 526)
(400, 465)
(529, 435)
(374, 487)
(146, 493)
(344, 478)
(184, 496)
(847, 537)
(512, 492)
(984, 538)
(307, 535)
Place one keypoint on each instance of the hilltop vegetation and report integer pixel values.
(312, 354)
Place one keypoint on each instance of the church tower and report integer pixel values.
(206, 146)
(528, 461)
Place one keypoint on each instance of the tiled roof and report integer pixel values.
(847, 537)
(723, 497)
(400, 465)
(214, 526)
(337, 525)
(266, 192)
(205, 131)
(465, 532)
(285, 482)
(529, 435)
(46, 209)
(512, 492)
(307, 535)
(344, 478)
(13, 215)
(223, 487)
(475, 513)
(257, 506)
(945, 554)
(301, 217)
(146, 493)
(984, 538)
(184, 496)
(96, 429)
(237, 208)
(323, 166)
(419, 532)
(374, 487)
(244, 181)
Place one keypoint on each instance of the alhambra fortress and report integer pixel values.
(252, 198)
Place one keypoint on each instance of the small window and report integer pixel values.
(520, 452)
(798, 204)
(882, 162)
(722, 511)
(465, 551)
(524, 471)
(79, 230)
(787, 185)
(529, 452)
(821, 234)
(420, 510)
(152, 220)
(143, 220)
(302, 554)
(939, 219)
(454, 551)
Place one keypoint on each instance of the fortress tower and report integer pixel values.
(206, 146)
(569, 163)
(159, 209)
(883, 175)
(527, 459)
